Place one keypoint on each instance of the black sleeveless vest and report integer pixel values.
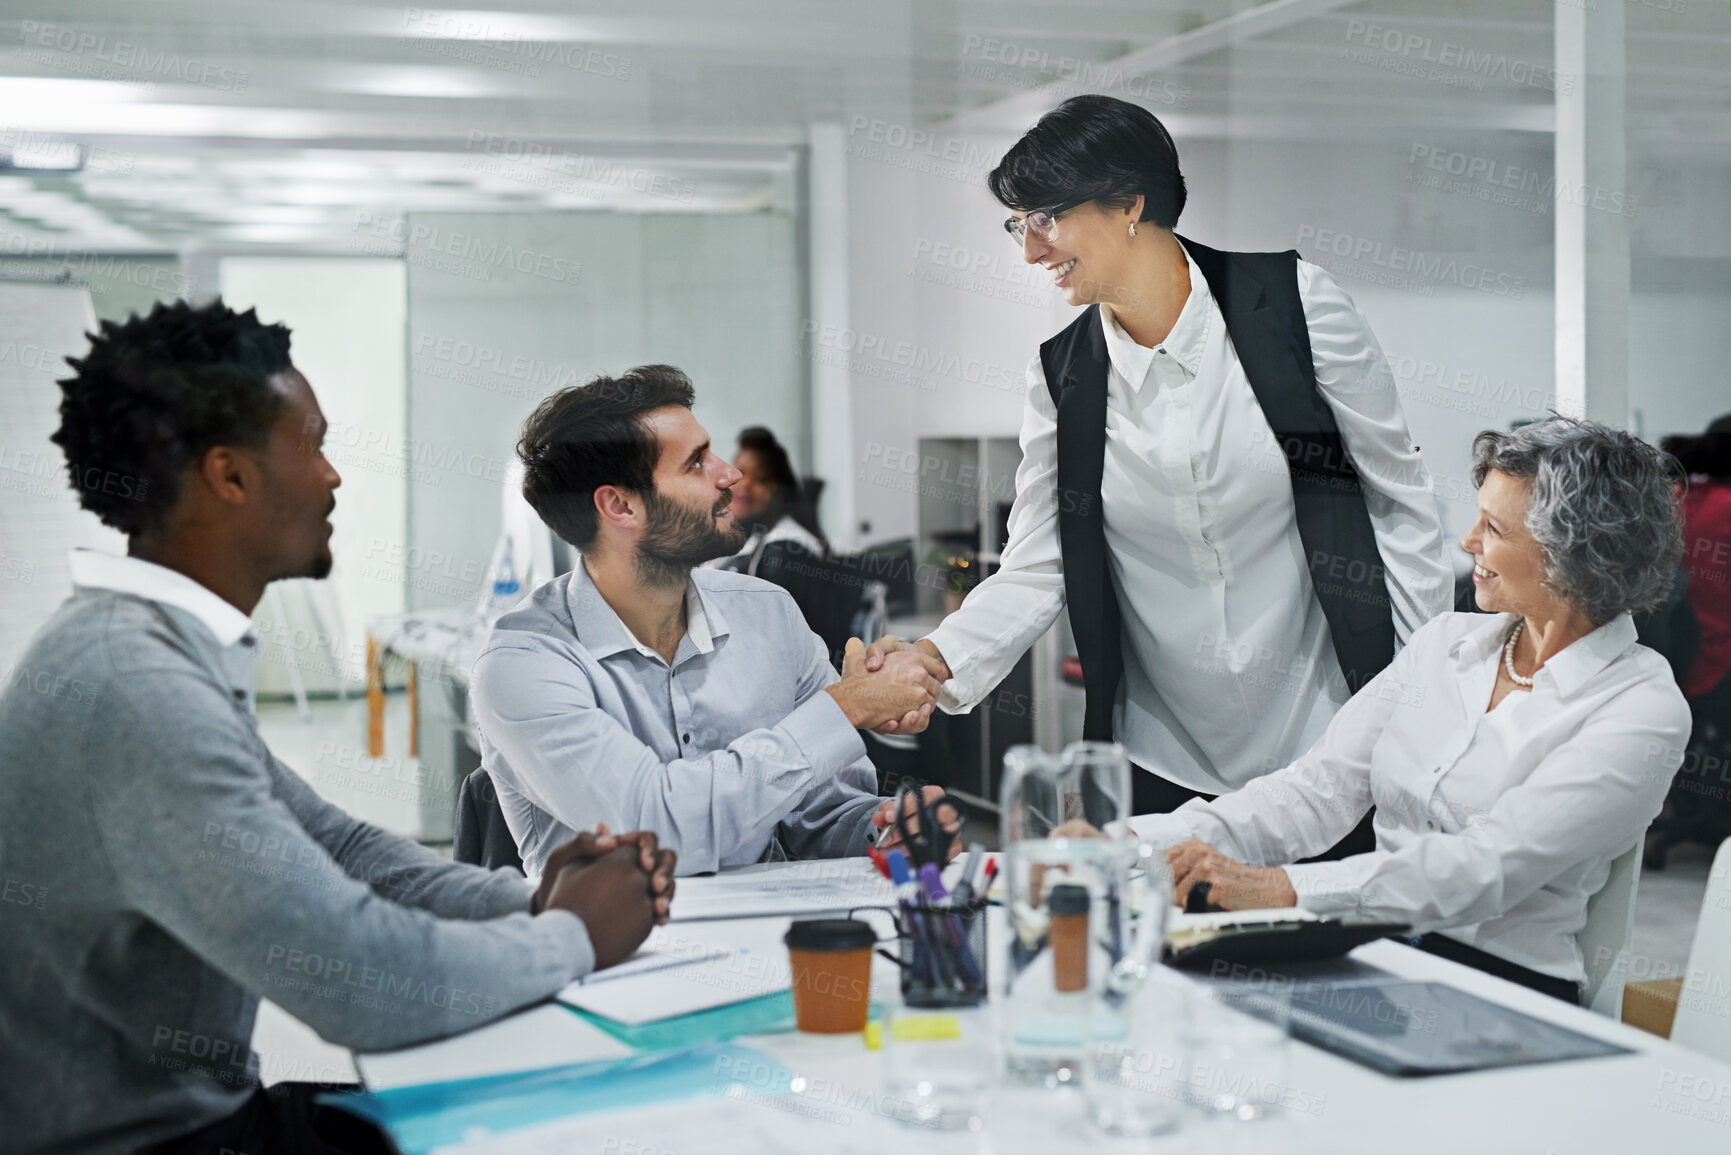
(1258, 296)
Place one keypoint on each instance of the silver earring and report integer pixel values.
(1132, 228)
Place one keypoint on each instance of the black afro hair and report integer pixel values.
(154, 393)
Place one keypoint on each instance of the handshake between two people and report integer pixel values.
(891, 686)
(619, 885)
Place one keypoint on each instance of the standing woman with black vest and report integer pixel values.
(1216, 476)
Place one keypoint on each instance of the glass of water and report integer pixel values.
(1136, 1058)
(939, 1065)
(1236, 1037)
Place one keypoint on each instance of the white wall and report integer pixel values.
(40, 520)
(348, 322)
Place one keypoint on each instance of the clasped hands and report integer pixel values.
(619, 885)
(890, 687)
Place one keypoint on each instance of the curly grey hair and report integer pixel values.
(1603, 509)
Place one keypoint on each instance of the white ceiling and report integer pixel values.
(244, 126)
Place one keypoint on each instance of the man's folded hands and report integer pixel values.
(619, 885)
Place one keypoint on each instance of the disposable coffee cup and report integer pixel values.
(832, 972)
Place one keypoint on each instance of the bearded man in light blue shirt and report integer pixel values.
(640, 691)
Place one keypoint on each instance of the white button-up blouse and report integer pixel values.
(1229, 669)
(1495, 827)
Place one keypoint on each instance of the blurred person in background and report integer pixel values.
(1707, 557)
(767, 502)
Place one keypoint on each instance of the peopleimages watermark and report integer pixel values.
(432, 457)
(1438, 384)
(874, 355)
(490, 368)
(35, 473)
(360, 983)
(17, 892)
(1694, 1096)
(43, 40)
(13, 568)
(468, 37)
(918, 150)
(1498, 182)
(97, 268)
(1459, 65)
(1398, 267)
(532, 163)
(449, 251)
(1001, 273)
(1026, 66)
(93, 157)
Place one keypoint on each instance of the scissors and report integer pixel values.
(928, 841)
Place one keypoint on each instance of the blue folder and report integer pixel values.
(421, 1118)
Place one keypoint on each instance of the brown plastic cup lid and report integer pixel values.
(1068, 899)
(830, 934)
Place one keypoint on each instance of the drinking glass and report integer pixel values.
(939, 1065)
(1237, 1039)
(1137, 1066)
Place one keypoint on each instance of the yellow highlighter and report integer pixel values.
(914, 1028)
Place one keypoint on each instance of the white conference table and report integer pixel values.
(1659, 1098)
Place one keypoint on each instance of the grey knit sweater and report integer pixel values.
(160, 872)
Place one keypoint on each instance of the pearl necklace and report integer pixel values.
(1509, 656)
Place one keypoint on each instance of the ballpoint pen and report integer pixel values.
(971, 864)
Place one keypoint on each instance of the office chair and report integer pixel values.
(828, 591)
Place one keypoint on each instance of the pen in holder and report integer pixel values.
(943, 953)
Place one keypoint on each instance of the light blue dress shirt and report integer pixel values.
(731, 755)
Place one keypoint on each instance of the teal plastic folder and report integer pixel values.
(765, 1015)
(432, 1115)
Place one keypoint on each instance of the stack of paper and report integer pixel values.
(680, 973)
(788, 889)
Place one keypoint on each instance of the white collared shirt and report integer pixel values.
(1229, 669)
(94, 570)
(1497, 826)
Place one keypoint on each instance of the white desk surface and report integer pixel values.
(1661, 1098)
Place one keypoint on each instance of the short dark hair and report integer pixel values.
(1096, 148)
(587, 436)
(154, 393)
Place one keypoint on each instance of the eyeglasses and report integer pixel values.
(1044, 222)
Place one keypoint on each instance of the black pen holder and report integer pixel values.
(943, 954)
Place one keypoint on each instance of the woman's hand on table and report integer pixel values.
(1232, 884)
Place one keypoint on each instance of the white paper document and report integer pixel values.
(788, 889)
(1178, 920)
(679, 972)
(662, 949)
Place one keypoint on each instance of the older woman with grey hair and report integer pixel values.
(1511, 755)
